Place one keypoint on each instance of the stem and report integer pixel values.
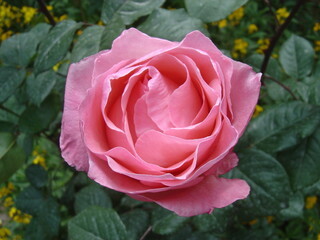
(44, 10)
(9, 111)
(277, 35)
(146, 233)
(272, 12)
(282, 85)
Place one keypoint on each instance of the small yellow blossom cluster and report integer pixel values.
(282, 14)
(6, 190)
(263, 45)
(5, 233)
(239, 48)
(56, 19)
(316, 27)
(13, 16)
(257, 111)
(233, 19)
(310, 202)
(39, 158)
(252, 28)
(18, 216)
(317, 46)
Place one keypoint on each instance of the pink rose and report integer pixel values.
(158, 120)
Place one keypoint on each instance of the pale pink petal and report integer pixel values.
(163, 150)
(184, 104)
(245, 88)
(224, 165)
(71, 143)
(92, 121)
(158, 97)
(131, 44)
(142, 120)
(201, 198)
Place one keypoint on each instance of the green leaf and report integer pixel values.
(35, 119)
(45, 214)
(212, 10)
(12, 156)
(295, 209)
(55, 45)
(302, 162)
(10, 80)
(168, 224)
(29, 200)
(39, 87)
(172, 25)
(19, 49)
(216, 222)
(296, 56)
(273, 68)
(91, 195)
(128, 10)
(37, 175)
(281, 127)
(40, 30)
(268, 180)
(88, 43)
(136, 222)
(112, 30)
(96, 223)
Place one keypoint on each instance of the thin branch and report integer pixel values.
(146, 233)
(44, 10)
(272, 12)
(9, 111)
(277, 35)
(282, 85)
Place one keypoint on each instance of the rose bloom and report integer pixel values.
(158, 120)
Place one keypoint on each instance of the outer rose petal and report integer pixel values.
(78, 82)
(245, 88)
(204, 197)
(131, 44)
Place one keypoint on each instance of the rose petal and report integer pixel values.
(201, 198)
(139, 46)
(71, 143)
(245, 87)
(163, 150)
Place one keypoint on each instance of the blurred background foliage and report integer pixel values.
(42, 198)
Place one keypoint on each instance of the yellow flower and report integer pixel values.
(29, 13)
(19, 217)
(282, 14)
(316, 27)
(310, 202)
(4, 232)
(100, 23)
(317, 46)
(257, 111)
(263, 45)
(222, 23)
(50, 8)
(40, 160)
(6, 190)
(239, 48)
(17, 237)
(252, 222)
(79, 32)
(8, 202)
(270, 219)
(318, 236)
(252, 28)
(236, 16)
